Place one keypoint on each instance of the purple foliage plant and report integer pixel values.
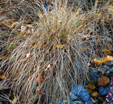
(109, 97)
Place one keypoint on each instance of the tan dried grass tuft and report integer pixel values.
(65, 39)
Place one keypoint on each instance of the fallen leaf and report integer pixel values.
(98, 14)
(2, 77)
(59, 46)
(29, 20)
(48, 66)
(29, 26)
(89, 90)
(108, 58)
(91, 86)
(41, 77)
(2, 57)
(102, 81)
(14, 24)
(59, 21)
(14, 100)
(112, 10)
(8, 24)
(94, 94)
(36, 46)
(104, 102)
(97, 62)
(0, 88)
(22, 32)
(40, 15)
(107, 52)
(103, 60)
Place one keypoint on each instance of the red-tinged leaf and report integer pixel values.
(41, 77)
(102, 81)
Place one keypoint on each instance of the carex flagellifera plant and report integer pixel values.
(55, 56)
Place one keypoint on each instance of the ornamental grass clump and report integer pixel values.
(13, 16)
(55, 56)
